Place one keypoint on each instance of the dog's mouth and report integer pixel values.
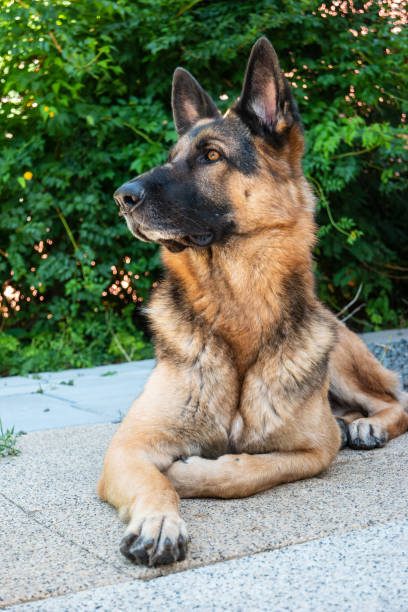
(201, 240)
(174, 243)
(139, 234)
(193, 240)
(170, 239)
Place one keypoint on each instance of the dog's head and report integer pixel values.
(227, 175)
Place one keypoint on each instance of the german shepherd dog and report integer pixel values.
(249, 362)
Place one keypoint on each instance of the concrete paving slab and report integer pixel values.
(109, 396)
(63, 465)
(36, 562)
(34, 411)
(18, 385)
(98, 371)
(55, 461)
(360, 570)
(93, 395)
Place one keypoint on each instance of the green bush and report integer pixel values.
(86, 105)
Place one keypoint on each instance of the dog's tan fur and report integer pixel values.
(248, 409)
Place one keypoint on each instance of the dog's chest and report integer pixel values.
(242, 330)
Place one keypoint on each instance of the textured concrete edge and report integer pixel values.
(273, 580)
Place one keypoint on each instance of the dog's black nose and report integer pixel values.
(129, 195)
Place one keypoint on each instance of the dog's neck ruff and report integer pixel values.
(243, 292)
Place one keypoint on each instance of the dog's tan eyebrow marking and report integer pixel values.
(199, 127)
(206, 140)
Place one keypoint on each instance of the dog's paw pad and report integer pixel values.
(161, 540)
(362, 435)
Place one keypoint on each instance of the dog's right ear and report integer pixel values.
(189, 101)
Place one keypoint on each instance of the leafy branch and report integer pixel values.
(325, 202)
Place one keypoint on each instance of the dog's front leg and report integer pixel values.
(235, 476)
(156, 534)
(145, 444)
(183, 410)
(133, 483)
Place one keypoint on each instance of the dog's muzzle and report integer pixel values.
(130, 197)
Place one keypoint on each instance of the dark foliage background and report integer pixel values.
(86, 104)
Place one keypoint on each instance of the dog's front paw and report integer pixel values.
(223, 477)
(362, 435)
(156, 539)
(187, 475)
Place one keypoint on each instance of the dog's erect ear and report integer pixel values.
(266, 103)
(189, 101)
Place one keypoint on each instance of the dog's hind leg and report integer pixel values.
(364, 394)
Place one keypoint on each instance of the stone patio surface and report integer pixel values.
(338, 541)
(71, 397)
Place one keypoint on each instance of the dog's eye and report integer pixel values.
(212, 155)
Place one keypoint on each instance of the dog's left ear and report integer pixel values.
(189, 101)
(266, 103)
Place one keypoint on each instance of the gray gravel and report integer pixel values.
(393, 356)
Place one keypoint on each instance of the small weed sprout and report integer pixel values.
(8, 441)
